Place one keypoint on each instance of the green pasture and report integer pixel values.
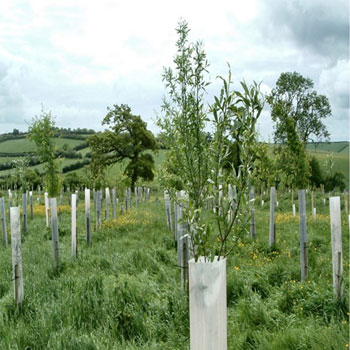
(25, 145)
(124, 292)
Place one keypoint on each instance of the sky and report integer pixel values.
(75, 58)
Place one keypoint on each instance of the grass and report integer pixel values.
(124, 292)
(25, 145)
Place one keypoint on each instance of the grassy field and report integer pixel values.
(124, 292)
(339, 151)
(25, 145)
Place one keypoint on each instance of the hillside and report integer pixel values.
(17, 148)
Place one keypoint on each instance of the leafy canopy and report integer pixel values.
(293, 98)
(126, 138)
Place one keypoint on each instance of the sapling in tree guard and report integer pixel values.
(337, 250)
(272, 232)
(303, 238)
(203, 167)
(17, 274)
(74, 225)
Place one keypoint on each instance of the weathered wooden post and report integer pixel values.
(31, 204)
(3, 221)
(168, 209)
(107, 195)
(184, 258)
(74, 225)
(10, 202)
(136, 196)
(303, 238)
(24, 212)
(272, 233)
(98, 209)
(208, 307)
(17, 272)
(114, 208)
(126, 200)
(129, 196)
(69, 197)
(54, 226)
(252, 214)
(87, 216)
(46, 200)
(337, 250)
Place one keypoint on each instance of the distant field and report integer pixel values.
(338, 150)
(335, 147)
(341, 162)
(24, 145)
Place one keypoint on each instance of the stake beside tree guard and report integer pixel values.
(87, 216)
(31, 204)
(337, 250)
(74, 225)
(272, 217)
(107, 195)
(10, 203)
(114, 208)
(184, 243)
(303, 238)
(46, 199)
(17, 272)
(24, 212)
(98, 209)
(54, 226)
(252, 214)
(3, 221)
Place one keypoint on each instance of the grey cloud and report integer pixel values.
(319, 26)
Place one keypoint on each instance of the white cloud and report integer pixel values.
(78, 57)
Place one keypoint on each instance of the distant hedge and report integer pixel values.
(75, 166)
(81, 146)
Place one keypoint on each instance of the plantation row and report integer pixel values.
(250, 257)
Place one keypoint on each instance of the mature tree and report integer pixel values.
(298, 113)
(126, 138)
(41, 131)
(294, 98)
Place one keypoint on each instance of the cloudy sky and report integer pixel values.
(76, 57)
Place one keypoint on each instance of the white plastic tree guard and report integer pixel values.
(208, 309)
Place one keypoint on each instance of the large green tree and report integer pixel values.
(294, 98)
(298, 113)
(127, 137)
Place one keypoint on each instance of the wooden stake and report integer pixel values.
(272, 217)
(3, 221)
(31, 204)
(252, 214)
(114, 208)
(303, 238)
(24, 212)
(87, 216)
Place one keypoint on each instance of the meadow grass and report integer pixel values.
(25, 145)
(124, 292)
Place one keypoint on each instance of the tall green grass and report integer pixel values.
(124, 292)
